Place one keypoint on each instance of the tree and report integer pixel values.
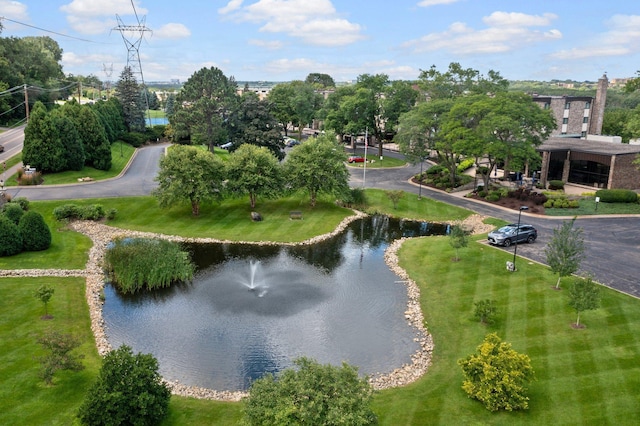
(36, 235)
(128, 93)
(318, 165)
(319, 80)
(497, 375)
(92, 134)
(59, 356)
(252, 123)
(565, 250)
(458, 238)
(485, 311)
(296, 103)
(334, 116)
(189, 173)
(203, 106)
(44, 294)
(458, 81)
(314, 394)
(129, 390)
(254, 171)
(584, 295)
(395, 196)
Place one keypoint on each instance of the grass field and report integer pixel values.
(587, 376)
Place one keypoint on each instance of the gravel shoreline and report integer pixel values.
(101, 235)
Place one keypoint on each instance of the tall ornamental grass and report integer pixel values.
(133, 264)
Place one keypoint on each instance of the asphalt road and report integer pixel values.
(613, 243)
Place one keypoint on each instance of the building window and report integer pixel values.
(567, 105)
(565, 120)
(584, 134)
(585, 119)
(547, 105)
(587, 105)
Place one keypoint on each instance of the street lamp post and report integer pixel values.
(420, 179)
(515, 247)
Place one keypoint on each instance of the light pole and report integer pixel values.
(515, 248)
(420, 179)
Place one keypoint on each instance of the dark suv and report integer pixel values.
(509, 234)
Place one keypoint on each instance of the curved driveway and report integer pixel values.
(613, 243)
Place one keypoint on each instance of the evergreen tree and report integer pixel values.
(128, 93)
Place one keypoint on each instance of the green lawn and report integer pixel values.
(374, 162)
(120, 155)
(410, 207)
(588, 376)
(588, 206)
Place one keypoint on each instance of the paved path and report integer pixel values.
(613, 243)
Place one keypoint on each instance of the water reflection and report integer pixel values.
(252, 309)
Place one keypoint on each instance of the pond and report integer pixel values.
(252, 309)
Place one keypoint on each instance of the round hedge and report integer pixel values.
(36, 235)
(10, 237)
(13, 211)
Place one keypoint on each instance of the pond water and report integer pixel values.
(252, 309)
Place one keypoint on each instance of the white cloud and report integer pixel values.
(95, 17)
(316, 23)
(622, 39)
(506, 32)
(172, 31)
(13, 10)
(427, 3)
(230, 7)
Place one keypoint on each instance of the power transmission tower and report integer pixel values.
(107, 71)
(132, 36)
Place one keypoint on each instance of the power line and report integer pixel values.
(52, 32)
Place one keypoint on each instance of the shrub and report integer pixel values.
(59, 356)
(574, 204)
(538, 198)
(31, 179)
(66, 211)
(497, 375)
(435, 170)
(356, 197)
(23, 202)
(493, 196)
(617, 196)
(556, 184)
(136, 263)
(13, 212)
(73, 211)
(10, 237)
(465, 164)
(129, 391)
(134, 139)
(36, 235)
(485, 311)
(313, 394)
(548, 204)
(111, 214)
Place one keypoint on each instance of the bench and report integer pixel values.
(295, 215)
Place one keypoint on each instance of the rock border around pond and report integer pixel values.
(101, 235)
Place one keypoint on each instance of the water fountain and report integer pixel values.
(253, 309)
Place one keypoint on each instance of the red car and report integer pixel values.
(356, 159)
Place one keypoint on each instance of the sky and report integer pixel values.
(284, 40)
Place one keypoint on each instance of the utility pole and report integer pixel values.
(26, 102)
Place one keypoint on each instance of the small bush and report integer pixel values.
(13, 212)
(574, 204)
(10, 237)
(111, 214)
(36, 235)
(134, 264)
(66, 211)
(31, 179)
(465, 165)
(435, 170)
(73, 211)
(548, 204)
(135, 139)
(493, 196)
(556, 184)
(22, 201)
(617, 196)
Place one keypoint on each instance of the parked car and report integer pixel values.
(1, 148)
(509, 234)
(226, 146)
(290, 142)
(355, 159)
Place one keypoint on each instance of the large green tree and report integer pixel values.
(128, 93)
(254, 171)
(320, 80)
(253, 123)
(96, 146)
(295, 103)
(566, 249)
(318, 166)
(129, 391)
(191, 174)
(457, 81)
(334, 117)
(314, 394)
(203, 107)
